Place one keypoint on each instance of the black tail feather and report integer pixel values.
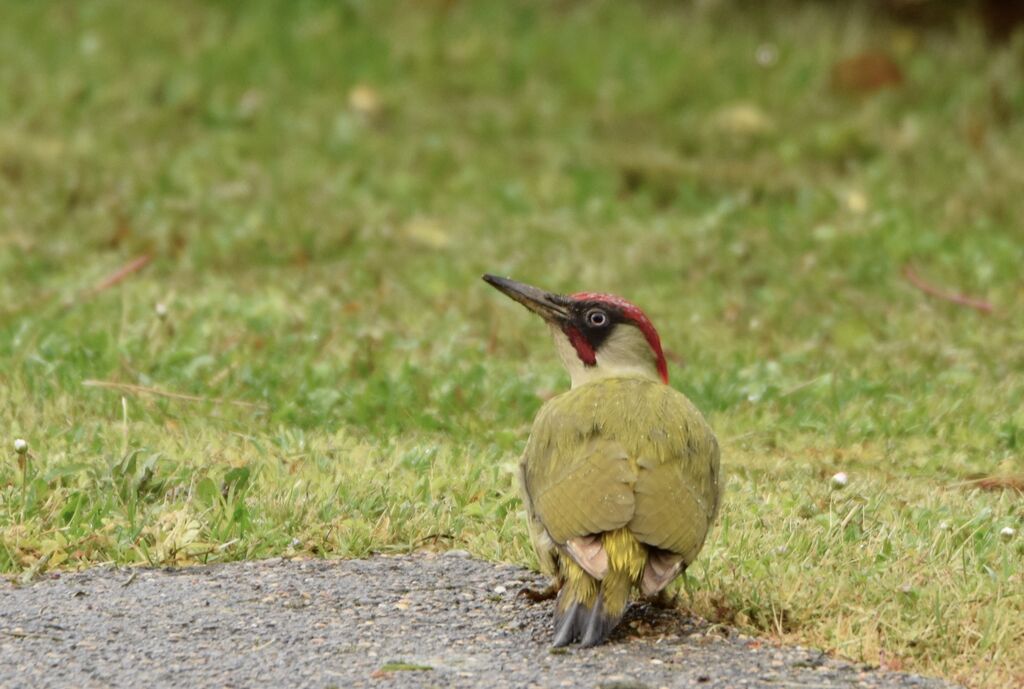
(599, 625)
(570, 623)
(589, 626)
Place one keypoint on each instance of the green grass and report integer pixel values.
(319, 257)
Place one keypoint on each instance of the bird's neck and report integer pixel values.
(625, 354)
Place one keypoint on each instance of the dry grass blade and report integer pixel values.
(996, 483)
(143, 390)
(36, 569)
(123, 272)
(961, 299)
(118, 276)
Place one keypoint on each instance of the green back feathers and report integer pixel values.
(623, 452)
(620, 480)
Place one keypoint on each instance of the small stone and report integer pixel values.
(460, 554)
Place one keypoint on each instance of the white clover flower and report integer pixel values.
(20, 446)
(1007, 533)
(840, 480)
(766, 55)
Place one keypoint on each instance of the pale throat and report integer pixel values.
(625, 354)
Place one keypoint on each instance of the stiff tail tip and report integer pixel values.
(589, 607)
(588, 625)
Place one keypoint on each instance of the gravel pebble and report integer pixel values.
(411, 621)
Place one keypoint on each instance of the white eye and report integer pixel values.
(597, 318)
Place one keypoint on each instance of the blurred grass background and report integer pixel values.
(289, 205)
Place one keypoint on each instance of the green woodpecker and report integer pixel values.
(620, 476)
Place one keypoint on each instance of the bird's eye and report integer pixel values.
(597, 318)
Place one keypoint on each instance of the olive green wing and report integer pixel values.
(672, 511)
(575, 483)
(677, 486)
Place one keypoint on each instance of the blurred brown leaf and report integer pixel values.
(866, 73)
(999, 483)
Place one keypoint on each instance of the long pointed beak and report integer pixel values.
(550, 307)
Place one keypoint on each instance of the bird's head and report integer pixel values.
(596, 335)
